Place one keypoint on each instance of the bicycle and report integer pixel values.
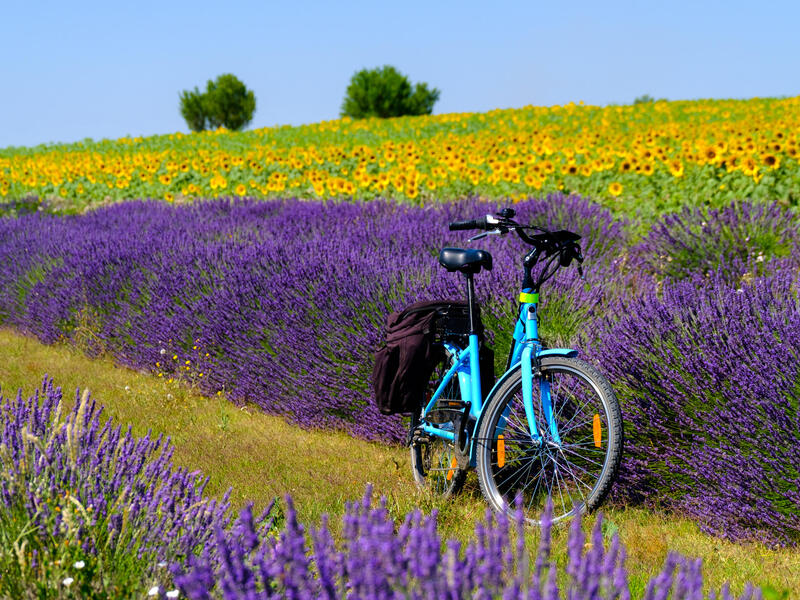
(551, 425)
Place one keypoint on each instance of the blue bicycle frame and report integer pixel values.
(526, 345)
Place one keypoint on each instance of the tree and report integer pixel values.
(192, 109)
(229, 103)
(226, 102)
(384, 92)
(647, 98)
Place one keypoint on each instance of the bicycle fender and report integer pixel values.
(566, 352)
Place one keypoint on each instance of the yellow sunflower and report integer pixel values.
(711, 154)
(615, 188)
(749, 166)
(676, 168)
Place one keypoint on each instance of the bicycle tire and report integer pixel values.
(434, 461)
(571, 472)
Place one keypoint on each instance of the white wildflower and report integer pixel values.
(740, 291)
(127, 388)
(79, 565)
(162, 351)
(162, 564)
(760, 257)
(68, 581)
(153, 591)
(172, 594)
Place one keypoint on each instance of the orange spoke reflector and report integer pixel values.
(501, 451)
(453, 465)
(598, 430)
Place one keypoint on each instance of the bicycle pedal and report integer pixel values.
(442, 416)
(452, 403)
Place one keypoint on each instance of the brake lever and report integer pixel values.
(483, 234)
(579, 258)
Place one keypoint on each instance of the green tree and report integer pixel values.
(192, 109)
(644, 99)
(226, 102)
(384, 92)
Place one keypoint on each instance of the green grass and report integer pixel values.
(261, 456)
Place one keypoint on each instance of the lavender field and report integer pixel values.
(281, 304)
(120, 521)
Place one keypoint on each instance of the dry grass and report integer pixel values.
(261, 457)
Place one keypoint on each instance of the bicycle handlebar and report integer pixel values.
(547, 243)
(463, 225)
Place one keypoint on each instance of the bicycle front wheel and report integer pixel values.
(573, 465)
(434, 461)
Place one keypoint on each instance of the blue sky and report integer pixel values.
(78, 69)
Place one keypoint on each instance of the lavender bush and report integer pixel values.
(708, 377)
(279, 303)
(377, 559)
(87, 506)
(740, 238)
(88, 511)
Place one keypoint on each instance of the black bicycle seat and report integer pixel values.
(465, 261)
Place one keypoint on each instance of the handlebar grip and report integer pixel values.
(460, 225)
(474, 224)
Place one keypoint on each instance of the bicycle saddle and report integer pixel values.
(466, 261)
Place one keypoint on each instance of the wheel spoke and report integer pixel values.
(566, 425)
(540, 476)
(583, 457)
(568, 465)
(517, 476)
(558, 484)
(522, 474)
(589, 473)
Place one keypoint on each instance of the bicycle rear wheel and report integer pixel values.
(574, 469)
(434, 460)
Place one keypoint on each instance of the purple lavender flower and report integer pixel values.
(710, 402)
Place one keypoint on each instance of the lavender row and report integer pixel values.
(383, 560)
(738, 240)
(97, 513)
(703, 360)
(280, 303)
(707, 375)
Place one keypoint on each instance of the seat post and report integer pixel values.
(470, 302)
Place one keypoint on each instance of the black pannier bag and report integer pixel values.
(413, 347)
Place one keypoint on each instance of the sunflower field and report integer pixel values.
(647, 158)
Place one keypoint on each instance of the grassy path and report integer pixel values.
(261, 457)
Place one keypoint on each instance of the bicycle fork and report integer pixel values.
(529, 365)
